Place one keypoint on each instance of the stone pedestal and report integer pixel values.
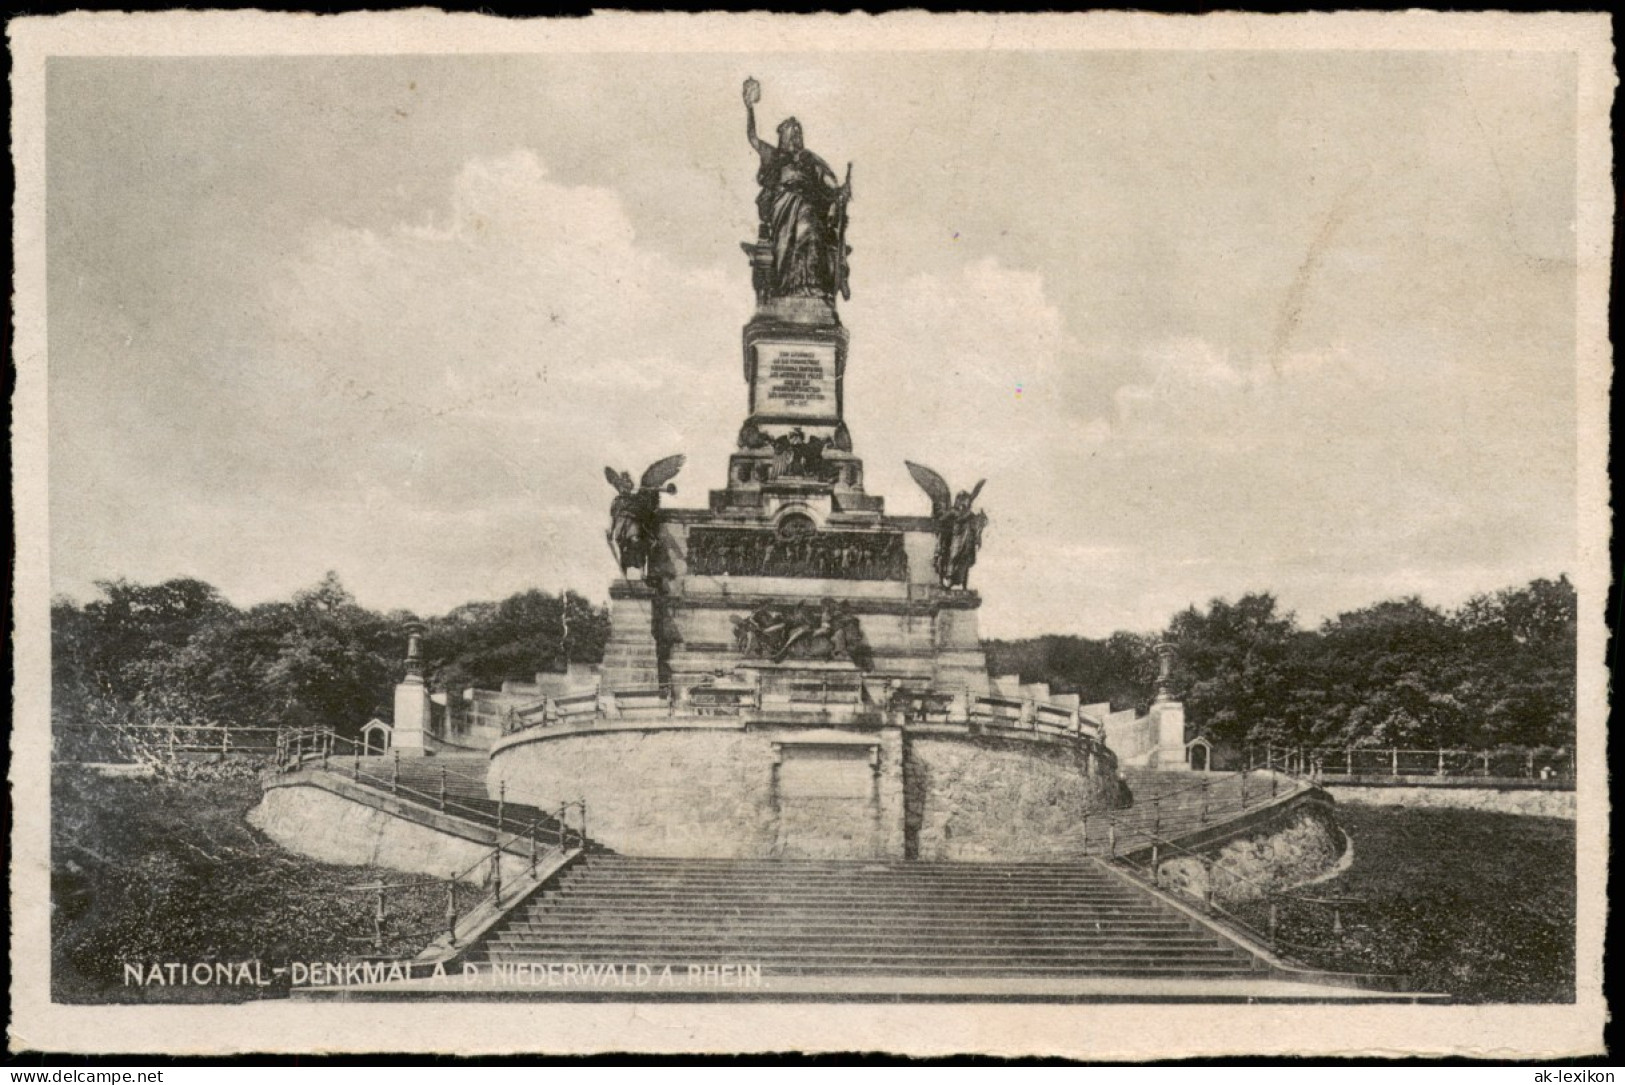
(1170, 752)
(631, 657)
(959, 662)
(410, 735)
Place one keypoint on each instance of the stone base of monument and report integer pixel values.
(804, 764)
(1170, 754)
(410, 733)
(631, 656)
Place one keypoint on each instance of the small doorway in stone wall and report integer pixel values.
(826, 799)
(1199, 754)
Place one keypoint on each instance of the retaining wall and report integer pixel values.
(983, 798)
(331, 828)
(724, 789)
(1300, 846)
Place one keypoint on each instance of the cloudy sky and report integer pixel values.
(1207, 322)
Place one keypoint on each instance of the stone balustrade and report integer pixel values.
(812, 701)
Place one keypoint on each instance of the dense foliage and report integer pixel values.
(1498, 671)
(179, 653)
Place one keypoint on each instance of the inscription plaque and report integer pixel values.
(795, 380)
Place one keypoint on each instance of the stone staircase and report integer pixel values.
(861, 919)
(1069, 931)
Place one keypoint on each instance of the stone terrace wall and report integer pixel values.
(720, 790)
(694, 793)
(333, 829)
(984, 798)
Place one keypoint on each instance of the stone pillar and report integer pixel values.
(631, 657)
(1170, 717)
(1165, 672)
(412, 699)
(891, 815)
(1169, 714)
(958, 661)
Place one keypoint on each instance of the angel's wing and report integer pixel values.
(662, 471)
(617, 480)
(977, 491)
(935, 486)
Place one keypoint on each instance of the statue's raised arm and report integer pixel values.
(752, 95)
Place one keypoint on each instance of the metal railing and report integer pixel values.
(1112, 832)
(542, 835)
(524, 848)
(326, 750)
(1150, 850)
(1318, 762)
(1332, 911)
(161, 740)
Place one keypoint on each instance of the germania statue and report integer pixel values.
(803, 211)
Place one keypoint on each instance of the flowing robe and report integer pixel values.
(797, 206)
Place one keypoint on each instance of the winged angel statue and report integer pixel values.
(634, 522)
(959, 525)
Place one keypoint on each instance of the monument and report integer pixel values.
(791, 671)
(794, 569)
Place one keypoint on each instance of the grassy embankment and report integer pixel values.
(167, 870)
(1476, 905)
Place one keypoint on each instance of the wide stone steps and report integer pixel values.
(824, 919)
(787, 874)
(768, 941)
(835, 895)
(853, 918)
(844, 905)
(956, 965)
(1131, 928)
(825, 924)
(782, 875)
(1166, 938)
(947, 964)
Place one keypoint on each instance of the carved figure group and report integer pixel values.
(634, 515)
(838, 555)
(802, 206)
(798, 456)
(829, 631)
(959, 526)
(795, 455)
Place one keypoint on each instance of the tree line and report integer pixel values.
(179, 654)
(1497, 671)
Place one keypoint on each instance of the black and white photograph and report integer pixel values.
(1073, 535)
